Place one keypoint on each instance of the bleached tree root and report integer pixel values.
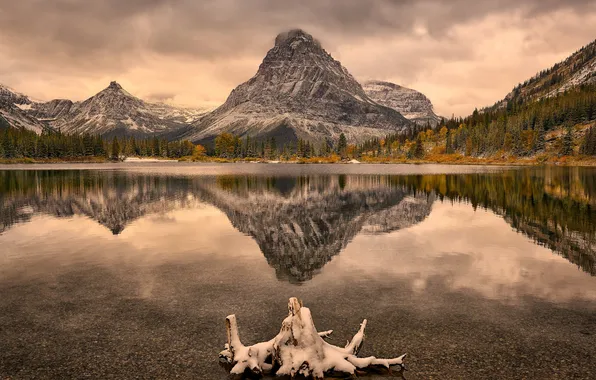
(298, 349)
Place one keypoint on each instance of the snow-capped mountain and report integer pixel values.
(299, 91)
(412, 104)
(114, 112)
(13, 109)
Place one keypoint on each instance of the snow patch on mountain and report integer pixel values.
(24, 107)
(13, 107)
(586, 75)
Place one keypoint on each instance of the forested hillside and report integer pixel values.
(579, 68)
(551, 125)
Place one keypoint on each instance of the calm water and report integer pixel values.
(129, 271)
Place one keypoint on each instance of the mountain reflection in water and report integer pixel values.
(300, 223)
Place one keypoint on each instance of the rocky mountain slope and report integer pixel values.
(13, 110)
(52, 110)
(578, 69)
(299, 91)
(113, 111)
(412, 104)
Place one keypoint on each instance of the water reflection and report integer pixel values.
(301, 222)
(555, 207)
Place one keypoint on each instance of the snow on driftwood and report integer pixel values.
(299, 349)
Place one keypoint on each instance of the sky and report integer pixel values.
(462, 54)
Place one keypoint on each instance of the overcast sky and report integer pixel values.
(460, 53)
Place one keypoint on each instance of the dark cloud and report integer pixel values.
(107, 29)
(112, 38)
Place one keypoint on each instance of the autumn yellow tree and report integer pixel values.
(443, 133)
(395, 148)
(198, 153)
(351, 150)
(430, 135)
(469, 146)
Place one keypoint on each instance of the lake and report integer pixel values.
(129, 270)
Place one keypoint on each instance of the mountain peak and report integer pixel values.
(115, 89)
(299, 92)
(115, 85)
(412, 104)
(382, 83)
(293, 36)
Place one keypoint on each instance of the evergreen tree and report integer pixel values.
(567, 145)
(342, 145)
(115, 149)
(448, 143)
(518, 148)
(323, 150)
(419, 147)
(247, 147)
(273, 146)
(540, 144)
(300, 148)
(588, 146)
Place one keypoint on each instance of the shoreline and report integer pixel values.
(463, 161)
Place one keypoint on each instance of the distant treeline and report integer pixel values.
(18, 143)
(231, 146)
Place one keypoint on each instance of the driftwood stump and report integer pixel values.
(299, 349)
